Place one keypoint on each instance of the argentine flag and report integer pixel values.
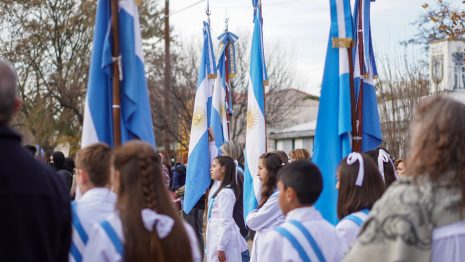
(371, 127)
(219, 121)
(136, 117)
(198, 163)
(255, 142)
(334, 125)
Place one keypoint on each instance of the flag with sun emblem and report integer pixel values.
(221, 104)
(198, 163)
(255, 144)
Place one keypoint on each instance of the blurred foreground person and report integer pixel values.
(421, 217)
(35, 216)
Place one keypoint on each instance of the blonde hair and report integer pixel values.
(300, 154)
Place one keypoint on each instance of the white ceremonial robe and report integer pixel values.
(94, 206)
(278, 248)
(263, 220)
(348, 229)
(222, 232)
(449, 243)
(101, 249)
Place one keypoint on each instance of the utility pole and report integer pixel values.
(167, 86)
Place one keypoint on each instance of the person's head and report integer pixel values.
(437, 144)
(69, 164)
(400, 166)
(282, 156)
(299, 154)
(223, 169)
(57, 159)
(300, 184)
(93, 165)
(234, 150)
(268, 167)
(360, 185)
(383, 161)
(31, 149)
(138, 172)
(9, 102)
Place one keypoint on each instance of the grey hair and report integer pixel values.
(234, 150)
(8, 91)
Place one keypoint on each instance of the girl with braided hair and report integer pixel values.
(224, 240)
(145, 226)
(268, 216)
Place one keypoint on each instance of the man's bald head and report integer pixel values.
(8, 91)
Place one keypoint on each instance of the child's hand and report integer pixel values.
(221, 256)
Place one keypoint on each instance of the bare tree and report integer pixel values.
(402, 83)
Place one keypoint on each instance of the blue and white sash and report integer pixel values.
(358, 217)
(113, 236)
(80, 239)
(302, 241)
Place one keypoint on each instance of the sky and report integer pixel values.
(301, 26)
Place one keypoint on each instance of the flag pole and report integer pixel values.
(117, 75)
(228, 83)
(357, 147)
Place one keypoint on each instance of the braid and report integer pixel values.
(148, 184)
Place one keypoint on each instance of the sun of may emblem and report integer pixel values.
(223, 110)
(252, 119)
(199, 117)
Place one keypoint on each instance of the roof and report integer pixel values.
(306, 129)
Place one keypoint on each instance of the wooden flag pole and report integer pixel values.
(117, 70)
(361, 58)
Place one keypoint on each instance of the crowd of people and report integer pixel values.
(125, 204)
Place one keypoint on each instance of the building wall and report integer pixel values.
(447, 70)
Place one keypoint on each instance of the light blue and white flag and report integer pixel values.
(221, 104)
(255, 144)
(198, 164)
(136, 116)
(334, 124)
(371, 127)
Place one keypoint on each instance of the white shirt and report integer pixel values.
(267, 218)
(222, 232)
(101, 249)
(278, 248)
(449, 243)
(348, 230)
(94, 206)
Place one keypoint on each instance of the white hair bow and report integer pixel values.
(383, 157)
(351, 159)
(163, 223)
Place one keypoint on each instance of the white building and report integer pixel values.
(447, 70)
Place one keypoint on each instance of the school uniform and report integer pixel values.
(262, 221)
(349, 227)
(94, 206)
(305, 236)
(222, 232)
(448, 243)
(106, 241)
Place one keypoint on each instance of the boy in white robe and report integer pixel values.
(97, 201)
(305, 235)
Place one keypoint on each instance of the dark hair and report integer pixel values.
(389, 170)
(272, 163)
(70, 165)
(58, 159)
(229, 175)
(437, 144)
(141, 186)
(352, 198)
(31, 149)
(96, 160)
(305, 178)
(8, 91)
(282, 156)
